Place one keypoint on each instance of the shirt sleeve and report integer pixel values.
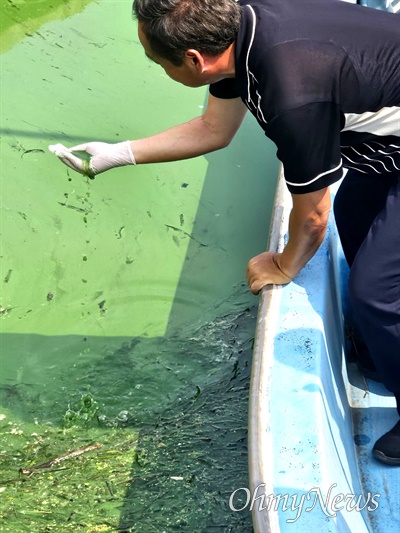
(225, 89)
(308, 142)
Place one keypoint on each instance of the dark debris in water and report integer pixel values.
(34, 150)
(7, 276)
(174, 228)
(182, 399)
(194, 455)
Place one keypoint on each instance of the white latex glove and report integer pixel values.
(103, 156)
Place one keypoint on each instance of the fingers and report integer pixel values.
(255, 285)
(255, 288)
(73, 162)
(56, 148)
(79, 148)
(263, 270)
(252, 280)
(68, 158)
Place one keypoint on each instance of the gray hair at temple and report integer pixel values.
(174, 26)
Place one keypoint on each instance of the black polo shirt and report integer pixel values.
(322, 78)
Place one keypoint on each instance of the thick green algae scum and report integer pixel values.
(125, 319)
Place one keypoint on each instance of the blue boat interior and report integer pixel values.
(324, 415)
(386, 5)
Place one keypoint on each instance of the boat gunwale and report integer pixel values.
(260, 437)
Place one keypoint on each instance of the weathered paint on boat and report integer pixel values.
(313, 419)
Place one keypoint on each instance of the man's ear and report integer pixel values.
(195, 60)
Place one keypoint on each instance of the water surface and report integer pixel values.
(126, 292)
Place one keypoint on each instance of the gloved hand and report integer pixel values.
(103, 156)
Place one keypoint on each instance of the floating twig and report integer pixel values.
(108, 485)
(57, 460)
(37, 150)
(186, 234)
(80, 209)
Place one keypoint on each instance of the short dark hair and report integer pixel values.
(174, 26)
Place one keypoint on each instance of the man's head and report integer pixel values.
(172, 27)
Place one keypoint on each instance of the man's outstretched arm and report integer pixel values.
(209, 132)
(307, 227)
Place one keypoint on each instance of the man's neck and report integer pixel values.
(222, 66)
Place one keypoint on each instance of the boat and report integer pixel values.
(313, 418)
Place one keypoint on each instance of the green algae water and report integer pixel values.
(125, 320)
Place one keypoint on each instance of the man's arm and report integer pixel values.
(307, 227)
(211, 131)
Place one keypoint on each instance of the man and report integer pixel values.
(322, 78)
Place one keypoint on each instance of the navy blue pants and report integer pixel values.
(367, 212)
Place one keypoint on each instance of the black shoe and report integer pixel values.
(387, 448)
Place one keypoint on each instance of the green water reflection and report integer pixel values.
(129, 288)
(22, 18)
